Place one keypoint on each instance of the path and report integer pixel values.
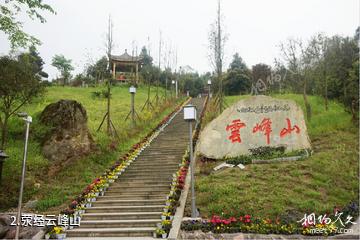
(133, 204)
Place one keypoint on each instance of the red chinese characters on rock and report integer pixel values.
(264, 126)
(235, 130)
(289, 129)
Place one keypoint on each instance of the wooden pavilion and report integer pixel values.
(125, 68)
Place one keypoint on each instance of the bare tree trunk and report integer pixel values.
(108, 109)
(326, 95)
(307, 104)
(353, 111)
(4, 132)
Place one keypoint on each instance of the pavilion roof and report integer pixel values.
(125, 57)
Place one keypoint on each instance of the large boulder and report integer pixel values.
(254, 122)
(69, 137)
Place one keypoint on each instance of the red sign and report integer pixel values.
(235, 130)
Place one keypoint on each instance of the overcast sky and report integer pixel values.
(254, 27)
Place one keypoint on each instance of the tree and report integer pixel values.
(35, 60)
(299, 62)
(217, 39)
(260, 72)
(10, 10)
(99, 70)
(64, 66)
(146, 58)
(237, 79)
(109, 45)
(18, 85)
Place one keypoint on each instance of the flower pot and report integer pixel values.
(93, 199)
(164, 235)
(158, 225)
(60, 236)
(97, 194)
(111, 180)
(88, 205)
(163, 217)
(102, 194)
(154, 235)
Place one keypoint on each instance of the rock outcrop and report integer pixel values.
(252, 123)
(69, 137)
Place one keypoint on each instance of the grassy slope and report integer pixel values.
(328, 178)
(56, 190)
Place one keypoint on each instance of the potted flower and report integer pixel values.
(166, 225)
(169, 202)
(58, 233)
(160, 233)
(166, 216)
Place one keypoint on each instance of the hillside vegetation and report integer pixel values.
(52, 191)
(327, 179)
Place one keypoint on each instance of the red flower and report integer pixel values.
(232, 219)
(226, 221)
(215, 219)
(247, 218)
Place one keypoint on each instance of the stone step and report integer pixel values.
(120, 223)
(133, 196)
(150, 164)
(151, 170)
(121, 216)
(109, 209)
(140, 183)
(134, 192)
(139, 187)
(136, 178)
(133, 204)
(129, 202)
(111, 232)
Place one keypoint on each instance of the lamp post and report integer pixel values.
(209, 84)
(176, 88)
(28, 120)
(173, 84)
(190, 116)
(3, 156)
(132, 91)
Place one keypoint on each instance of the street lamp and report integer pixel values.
(190, 116)
(132, 91)
(209, 84)
(28, 120)
(3, 156)
(173, 84)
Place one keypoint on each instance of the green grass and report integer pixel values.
(55, 191)
(328, 178)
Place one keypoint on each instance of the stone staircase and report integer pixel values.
(133, 204)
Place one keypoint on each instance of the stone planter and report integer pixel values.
(60, 236)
